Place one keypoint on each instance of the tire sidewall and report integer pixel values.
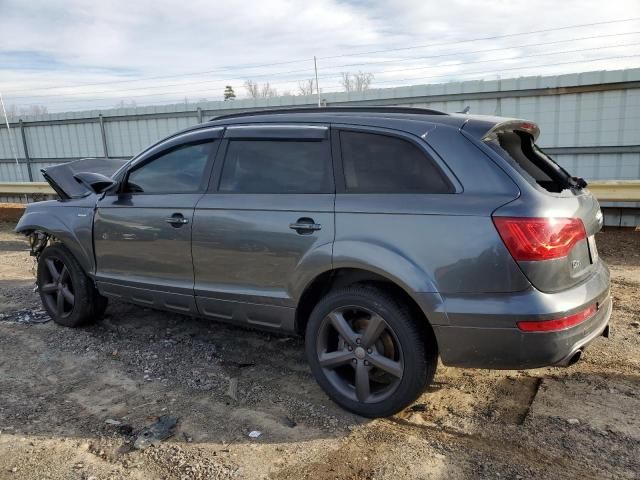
(416, 373)
(80, 281)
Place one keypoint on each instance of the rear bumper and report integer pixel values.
(491, 339)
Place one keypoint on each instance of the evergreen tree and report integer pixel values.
(229, 94)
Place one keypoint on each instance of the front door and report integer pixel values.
(265, 221)
(142, 233)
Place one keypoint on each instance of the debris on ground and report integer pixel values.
(254, 434)
(289, 422)
(59, 386)
(418, 407)
(26, 316)
(232, 390)
(154, 434)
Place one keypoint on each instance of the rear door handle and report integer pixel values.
(305, 226)
(177, 220)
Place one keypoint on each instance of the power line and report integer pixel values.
(227, 68)
(412, 79)
(527, 45)
(499, 60)
(271, 75)
(500, 70)
(334, 75)
(494, 37)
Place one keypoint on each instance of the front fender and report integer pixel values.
(71, 225)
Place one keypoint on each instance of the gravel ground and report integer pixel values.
(73, 401)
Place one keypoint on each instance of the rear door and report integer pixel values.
(267, 217)
(142, 233)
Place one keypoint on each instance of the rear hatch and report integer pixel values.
(61, 179)
(550, 230)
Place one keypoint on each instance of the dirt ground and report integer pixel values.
(62, 393)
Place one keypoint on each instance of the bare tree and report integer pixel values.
(14, 113)
(252, 88)
(125, 104)
(255, 90)
(356, 82)
(268, 91)
(307, 87)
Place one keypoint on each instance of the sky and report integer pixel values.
(72, 55)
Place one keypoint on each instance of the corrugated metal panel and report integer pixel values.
(583, 114)
(64, 141)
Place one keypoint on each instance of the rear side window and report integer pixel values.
(277, 166)
(178, 171)
(374, 163)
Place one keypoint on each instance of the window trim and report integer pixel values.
(215, 145)
(341, 186)
(293, 136)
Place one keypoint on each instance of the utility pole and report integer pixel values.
(6, 119)
(315, 67)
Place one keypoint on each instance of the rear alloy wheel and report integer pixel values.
(367, 353)
(68, 294)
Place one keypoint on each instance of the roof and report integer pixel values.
(416, 120)
(411, 120)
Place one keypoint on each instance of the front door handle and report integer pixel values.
(305, 226)
(177, 220)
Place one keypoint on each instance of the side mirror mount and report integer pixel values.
(96, 182)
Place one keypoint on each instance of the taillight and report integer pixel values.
(557, 324)
(539, 238)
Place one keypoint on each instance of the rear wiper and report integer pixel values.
(577, 182)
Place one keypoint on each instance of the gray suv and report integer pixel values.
(388, 237)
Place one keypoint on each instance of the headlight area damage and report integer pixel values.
(37, 242)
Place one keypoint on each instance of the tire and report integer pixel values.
(60, 276)
(407, 351)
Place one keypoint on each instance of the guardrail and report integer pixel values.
(19, 188)
(604, 190)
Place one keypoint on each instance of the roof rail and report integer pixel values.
(367, 109)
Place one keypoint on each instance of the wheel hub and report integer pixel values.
(359, 354)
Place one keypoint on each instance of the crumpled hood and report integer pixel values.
(60, 177)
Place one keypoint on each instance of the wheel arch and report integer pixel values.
(73, 238)
(420, 305)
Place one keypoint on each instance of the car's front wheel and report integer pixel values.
(367, 352)
(67, 293)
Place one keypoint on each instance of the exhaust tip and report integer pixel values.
(574, 358)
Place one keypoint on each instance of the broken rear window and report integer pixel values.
(519, 149)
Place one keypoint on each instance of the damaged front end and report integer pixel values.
(37, 242)
(69, 180)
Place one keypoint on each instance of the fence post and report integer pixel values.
(26, 150)
(199, 115)
(103, 132)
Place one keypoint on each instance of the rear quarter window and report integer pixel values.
(377, 163)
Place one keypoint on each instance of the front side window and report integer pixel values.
(276, 166)
(178, 171)
(375, 163)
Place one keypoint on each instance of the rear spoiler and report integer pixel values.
(511, 126)
(62, 177)
(486, 128)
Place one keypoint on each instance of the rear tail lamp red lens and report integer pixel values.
(530, 239)
(557, 324)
